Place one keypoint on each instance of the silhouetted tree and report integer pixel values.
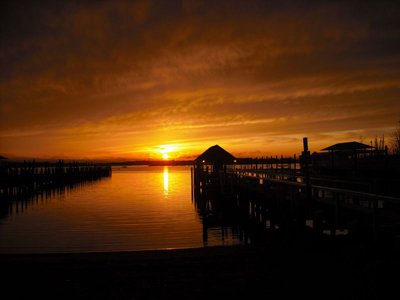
(379, 145)
(396, 140)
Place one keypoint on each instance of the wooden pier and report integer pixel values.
(282, 194)
(31, 177)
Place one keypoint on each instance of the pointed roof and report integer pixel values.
(347, 146)
(216, 154)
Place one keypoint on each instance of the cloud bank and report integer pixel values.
(113, 79)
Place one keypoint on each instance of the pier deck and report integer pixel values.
(282, 195)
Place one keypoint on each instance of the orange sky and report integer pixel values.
(136, 80)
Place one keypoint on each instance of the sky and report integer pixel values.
(168, 79)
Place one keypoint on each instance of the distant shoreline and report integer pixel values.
(153, 163)
(50, 163)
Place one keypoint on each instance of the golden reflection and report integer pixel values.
(166, 179)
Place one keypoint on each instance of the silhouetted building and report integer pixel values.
(342, 158)
(215, 156)
(347, 147)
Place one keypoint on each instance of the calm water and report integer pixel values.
(138, 208)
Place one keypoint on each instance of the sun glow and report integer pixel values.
(166, 151)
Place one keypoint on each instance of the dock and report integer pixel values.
(30, 177)
(284, 194)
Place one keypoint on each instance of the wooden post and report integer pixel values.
(305, 162)
(355, 162)
(335, 216)
(205, 232)
(375, 220)
(191, 178)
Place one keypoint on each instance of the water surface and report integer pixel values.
(138, 208)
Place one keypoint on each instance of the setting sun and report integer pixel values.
(191, 147)
(165, 152)
(256, 84)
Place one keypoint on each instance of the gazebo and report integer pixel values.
(215, 156)
(347, 147)
(344, 152)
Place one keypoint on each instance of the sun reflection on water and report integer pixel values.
(166, 181)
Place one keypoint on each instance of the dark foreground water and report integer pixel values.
(138, 208)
